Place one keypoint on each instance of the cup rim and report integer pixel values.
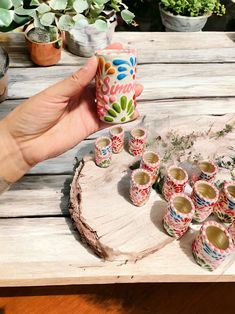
(228, 194)
(209, 162)
(139, 137)
(175, 180)
(100, 139)
(116, 127)
(145, 186)
(150, 164)
(171, 203)
(116, 52)
(210, 200)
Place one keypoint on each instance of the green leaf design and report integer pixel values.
(47, 19)
(112, 113)
(58, 4)
(116, 107)
(6, 17)
(6, 4)
(123, 102)
(108, 119)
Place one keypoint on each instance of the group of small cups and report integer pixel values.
(214, 242)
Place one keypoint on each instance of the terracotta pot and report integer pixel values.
(4, 63)
(44, 54)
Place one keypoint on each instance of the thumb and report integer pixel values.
(74, 84)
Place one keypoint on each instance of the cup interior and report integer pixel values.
(231, 190)
(103, 142)
(217, 237)
(182, 204)
(177, 173)
(207, 167)
(138, 132)
(206, 190)
(151, 157)
(142, 178)
(116, 130)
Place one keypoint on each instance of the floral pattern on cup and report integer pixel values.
(140, 187)
(225, 207)
(103, 152)
(117, 136)
(207, 171)
(174, 181)
(150, 161)
(179, 214)
(204, 196)
(137, 141)
(212, 245)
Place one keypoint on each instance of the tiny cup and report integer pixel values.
(207, 171)
(117, 136)
(140, 187)
(204, 196)
(212, 245)
(103, 152)
(179, 214)
(225, 207)
(137, 141)
(174, 182)
(150, 161)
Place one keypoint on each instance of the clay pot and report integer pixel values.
(4, 63)
(44, 54)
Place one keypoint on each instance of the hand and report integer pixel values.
(55, 120)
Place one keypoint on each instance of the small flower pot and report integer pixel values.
(179, 23)
(207, 171)
(174, 182)
(150, 161)
(204, 196)
(225, 207)
(140, 187)
(212, 245)
(103, 152)
(179, 214)
(117, 136)
(4, 64)
(115, 85)
(44, 54)
(137, 141)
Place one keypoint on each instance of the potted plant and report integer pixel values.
(188, 16)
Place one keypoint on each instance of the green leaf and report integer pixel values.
(101, 2)
(127, 16)
(80, 5)
(47, 19)
(34, 2)
(27, 12)
(80, 24)
(101, 25)
(43, 8)
(58, 4)
(21, 20)
(17, 3)
(65, 23)
(78, 17)
(123, 102)
(5, 4)
(6, 17)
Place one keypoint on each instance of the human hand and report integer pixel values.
(53, 121)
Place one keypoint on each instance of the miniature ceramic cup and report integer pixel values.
(117, 136)
(151, 161)
(115, 85)
(231, 230)
(140, 187)
(207, 171)
(212, 245)
(179, 214)
(225, 207)
(204, 196)
(103, 152)
(137, 141)
(174, 181)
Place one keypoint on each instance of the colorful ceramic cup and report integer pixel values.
(206, 171)
(115, 85)
(117, 136)
(150, 161)
(212, 245)
(204, 196)
(174, 181)
(231, 231)
(140, 187)
(137, 141)
(103, 152)
(225, 207)
(179, 214)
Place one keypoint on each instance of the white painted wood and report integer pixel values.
(46, 251)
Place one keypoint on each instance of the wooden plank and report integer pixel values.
(47, 251)
(155, 47)
(160, 81)
(37, 196)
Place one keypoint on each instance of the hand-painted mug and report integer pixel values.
(115, 85)
(137, 141)
(103, 152)
(150, 161)
(140, 187)
(206, 171)
(225, 207)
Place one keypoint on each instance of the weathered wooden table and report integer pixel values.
(182, 74)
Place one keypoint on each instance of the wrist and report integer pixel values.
(12, 163)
